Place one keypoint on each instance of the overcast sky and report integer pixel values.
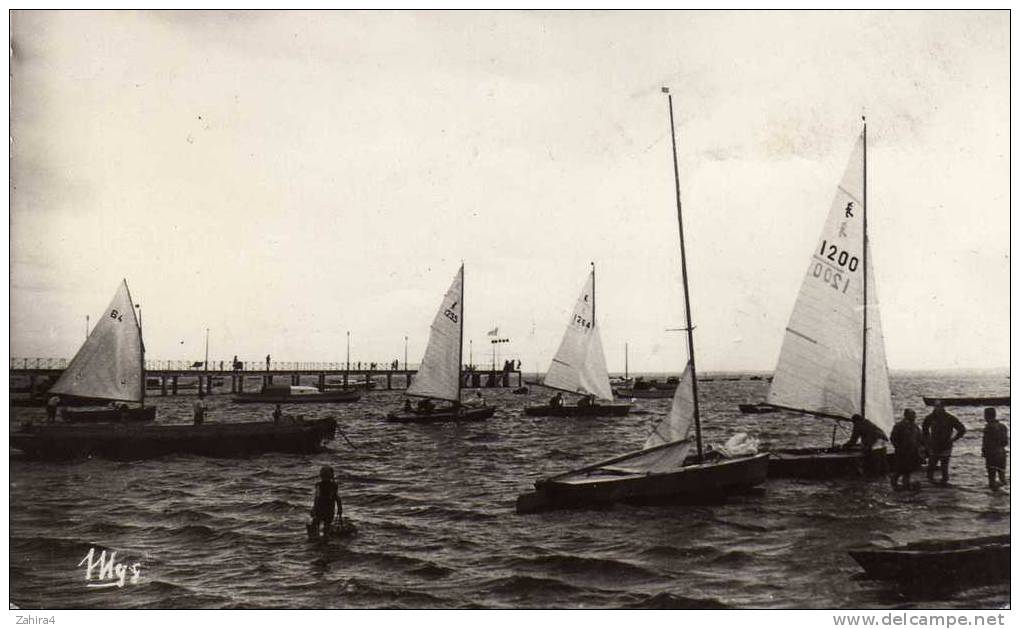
(282, 178)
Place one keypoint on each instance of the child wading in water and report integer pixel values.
(327, 494)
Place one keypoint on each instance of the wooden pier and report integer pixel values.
(171, 377)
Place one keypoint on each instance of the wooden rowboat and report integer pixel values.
(1002, 400)
(974, 560)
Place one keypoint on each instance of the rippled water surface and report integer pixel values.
(437, 528)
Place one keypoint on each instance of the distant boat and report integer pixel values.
(293, 394)
(109, 367)
(968, 401)
(648, 389)
(833, 349)
(756, 409)
(439, 376)
(128, 442)
(662, 470)
(579, 365)
(939, 562)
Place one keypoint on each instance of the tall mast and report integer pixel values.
(625, 374)
(141, 341)
(683, 269)
(864, 268)
(593, 295)
(460, 346)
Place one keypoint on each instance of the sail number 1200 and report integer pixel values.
(842, 258)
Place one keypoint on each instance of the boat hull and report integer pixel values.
(977, 560)
(819, 463)
(645, 394)
(466, 414)
(968, 401)
(127, 442)
(599, 410)
(756, 409)
(327, 397)
(107, 415)
(691, 483)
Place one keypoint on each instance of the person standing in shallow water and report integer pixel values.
(906, 439)
(327, 496)
(199, 409)
(51, 409)
(941, 430)
(993, 449)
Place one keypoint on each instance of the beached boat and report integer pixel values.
(293, 394)
(109, 367)
(939, 562)
(663, 470)
(579, 366)
(832, 363)
(1002, 400)
(440, 376)
(126, 442)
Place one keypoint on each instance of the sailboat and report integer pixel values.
(579, 365)
(439, 377)
(110, 367)
(663, 470)
(832, 362)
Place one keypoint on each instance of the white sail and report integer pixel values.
(109, 365)
(580, 364)
(439, 374)
(819, 367)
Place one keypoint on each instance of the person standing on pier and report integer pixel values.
(993, 449)
(199, 409)
(906, 439)
(941, 430)
(51, 408)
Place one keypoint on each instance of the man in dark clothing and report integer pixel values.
(277, 414)
(51, 409)
(864, 432)
(941, 430)
(556, 401)
(327, 496)
(993, 449)
(906, 439)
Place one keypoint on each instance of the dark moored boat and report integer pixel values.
(142, 441)
(595, 410)
(975, 560)
(756, 409)
(100, 415)
(817, 463)
(661, 471)
(38, 401)
(968, 401)
(287, 394)
(463, 414)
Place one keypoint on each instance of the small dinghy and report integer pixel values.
(832, 362)
(974, 560)
(108, 368)
(440, 376)
(579, 366)
(345, 529)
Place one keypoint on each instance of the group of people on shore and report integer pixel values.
(933, 440)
